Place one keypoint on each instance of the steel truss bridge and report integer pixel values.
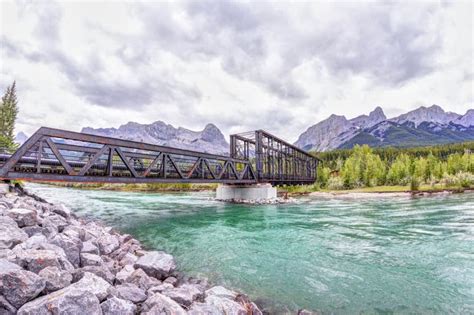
(60, 155)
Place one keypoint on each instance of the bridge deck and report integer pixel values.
(59, 155)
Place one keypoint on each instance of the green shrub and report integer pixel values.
(415, 183)
(336, 183)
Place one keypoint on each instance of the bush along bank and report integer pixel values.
(52, 262)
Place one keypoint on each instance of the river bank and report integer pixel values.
(53, 261)
(283, 192)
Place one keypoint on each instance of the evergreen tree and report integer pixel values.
(8, 114)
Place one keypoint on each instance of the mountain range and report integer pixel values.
(210, 139)
(422, 126)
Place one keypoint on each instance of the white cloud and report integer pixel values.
(241, 65)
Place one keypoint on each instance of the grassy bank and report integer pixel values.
(307, 189)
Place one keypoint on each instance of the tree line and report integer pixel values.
(8, 115)
(362, 166)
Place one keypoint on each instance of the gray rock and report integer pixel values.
(71, 301)
(116, 306)
(18, 286)
(128, 259)
(203, 309)
(92, 283)
(142, 280)
(5, 307)
(171, 280)
(159, 288)
(34, 241)
(129, 292)
(55, 278)
(159, 304)
(113, 266)
(99, 271)
(90, 248)
(35, 260)
(92, 231)
(32, 230)
(55, 221)
(62, 210)
(10, 233)
(23, 217)
(91, 260)
(108, 243)
(6, 265)
(156, 264)
(124, 273)
(251, 307)
(221, 292)
(71, 246)
(226, 305)
(185, 294)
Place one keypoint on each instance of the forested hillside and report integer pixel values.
(448, 165)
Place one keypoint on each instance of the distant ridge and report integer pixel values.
(210, 139)
(422, 126)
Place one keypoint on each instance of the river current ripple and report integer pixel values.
(372, 256)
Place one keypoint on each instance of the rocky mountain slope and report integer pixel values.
(422, 126)
(210, 139)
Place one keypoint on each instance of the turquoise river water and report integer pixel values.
(375, 256)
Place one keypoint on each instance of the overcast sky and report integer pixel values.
(240, 65)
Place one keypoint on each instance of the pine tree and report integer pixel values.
(8, 114)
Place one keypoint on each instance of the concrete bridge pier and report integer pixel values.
(250, 193)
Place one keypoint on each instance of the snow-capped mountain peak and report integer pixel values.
(433, 113)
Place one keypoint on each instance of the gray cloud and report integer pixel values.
(365, 40)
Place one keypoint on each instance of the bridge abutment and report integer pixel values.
(247, 193)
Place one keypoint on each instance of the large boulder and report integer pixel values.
(72, 247)
(124, 273)
(90, 247)
(32, 230)
(203, 309)
(55, 278)
(23, 217)
(221, 292)
(185, 294)
(157, 264)
(100, 271)
(35, 260)
(159, 304)
(18, 286)
(62, 210)
(55, 222)
(129, 292)
(108, 243)
(226, 305)
(10, 233)
(6, 308)
(114, 306)
(141, 279)
(69, 300)
(92, 283)
(159, 288)
(91, 260)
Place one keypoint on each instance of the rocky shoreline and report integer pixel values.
(52, 262)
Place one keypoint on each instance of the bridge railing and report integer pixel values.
(59, 155)
(275, 160)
